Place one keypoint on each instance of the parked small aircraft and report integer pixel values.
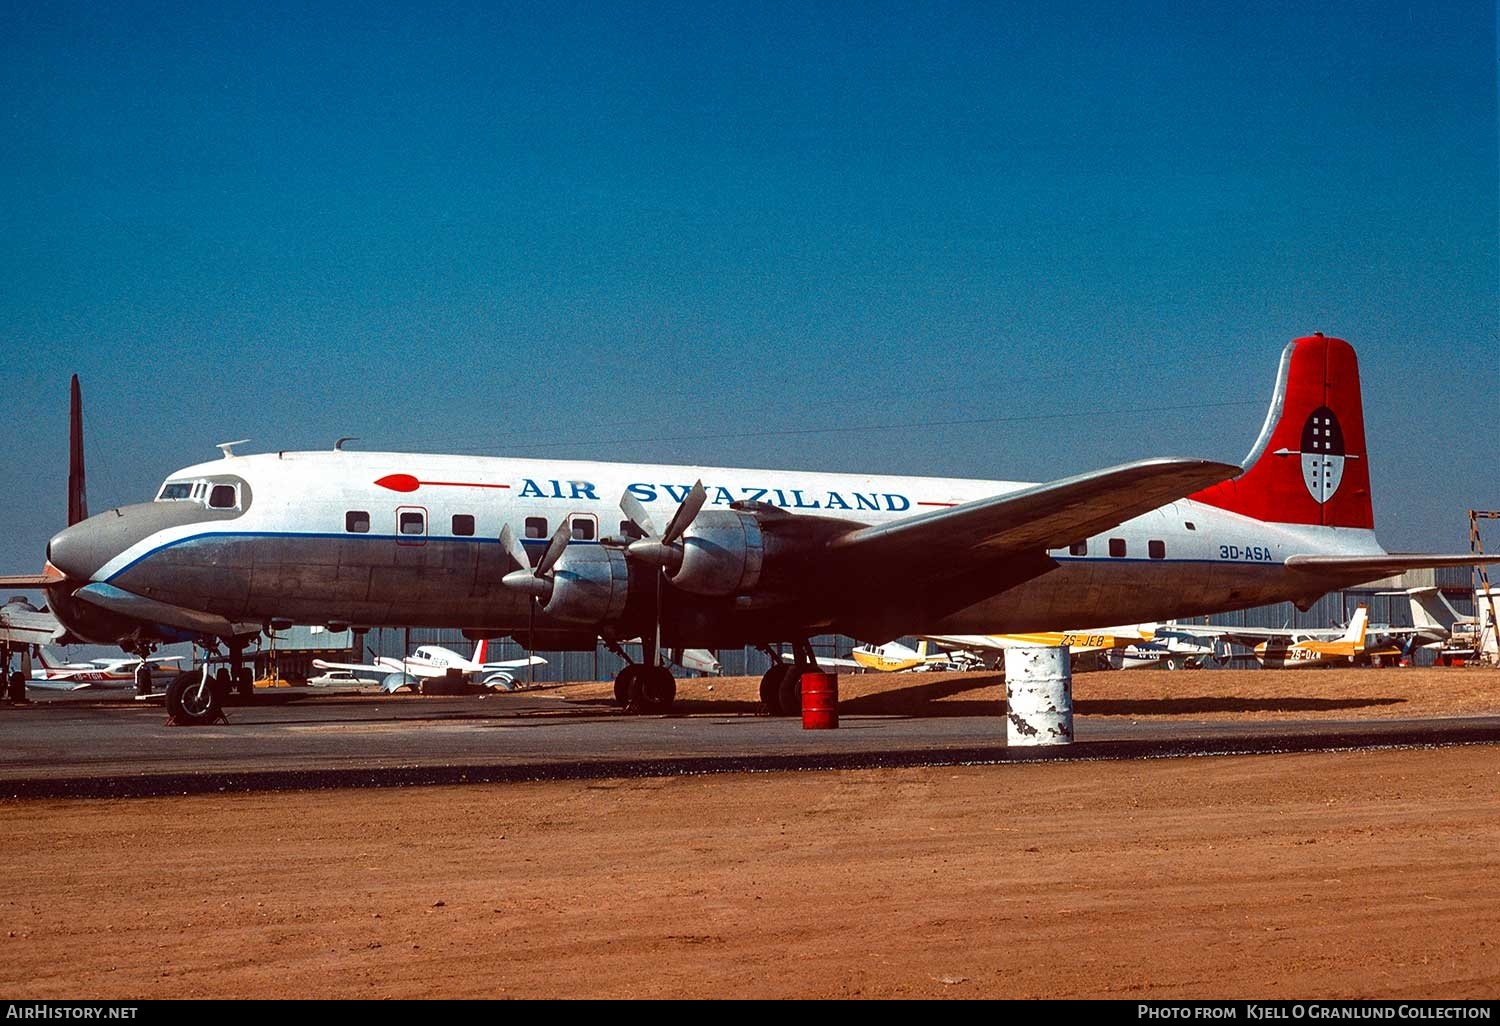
(1302, 651)
(55, 674)
(432, 661)
(894, 657)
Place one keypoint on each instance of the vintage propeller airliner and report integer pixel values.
(556, 553)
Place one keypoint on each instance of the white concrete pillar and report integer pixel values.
(1038, 696)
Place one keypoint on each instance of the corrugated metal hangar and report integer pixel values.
(1385, 600)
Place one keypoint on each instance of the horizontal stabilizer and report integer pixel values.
(1357, 569)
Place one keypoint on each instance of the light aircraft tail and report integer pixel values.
(481, 651)
(48, 658)
(1357, 625)
(1309, 465)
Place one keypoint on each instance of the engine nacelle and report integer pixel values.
(590, 584)
(722, 554)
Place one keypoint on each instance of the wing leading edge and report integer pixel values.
(1035, 519)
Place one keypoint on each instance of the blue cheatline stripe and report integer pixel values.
(475, 540)
(351, 535)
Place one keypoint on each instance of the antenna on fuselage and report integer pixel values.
(339, 445)
(227, 448)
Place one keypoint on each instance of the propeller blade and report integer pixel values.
(555, 547)
(685, 513)
(636, 514)
(513, 547)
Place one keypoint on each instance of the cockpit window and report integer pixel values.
(176, 490)
(222, 497)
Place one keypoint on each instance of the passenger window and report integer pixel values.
(1117, 547)
(583, 528)
(1078, 549)
(357, 521)
(536, 527)
(463, 524)
(629, 530)
(1156, 549)
(412, 523)
(222, 497)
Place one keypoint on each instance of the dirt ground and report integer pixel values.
(1357, 874)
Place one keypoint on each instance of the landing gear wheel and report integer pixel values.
(192, 701)
(623, 682)
(652, 690)
(143, 678)
(791, 692)
(770, 688)
(244, 682)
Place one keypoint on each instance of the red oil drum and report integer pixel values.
(820, 701)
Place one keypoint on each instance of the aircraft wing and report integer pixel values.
(32, 581)
(513, 664)
(323, 664)
(1252, 636)
(57, 683)
(28, 627)
(1034, 519)
(116, 600)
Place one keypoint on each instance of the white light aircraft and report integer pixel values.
(429, 662)
(555, 553)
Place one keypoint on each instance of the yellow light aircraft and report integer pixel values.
(1300, 652)
(894, 657)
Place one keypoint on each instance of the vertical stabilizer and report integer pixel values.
(78, 502)
(1357, 626)
(1309, 465)
(1431, 610)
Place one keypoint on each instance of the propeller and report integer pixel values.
(535, 581)
(663, 549)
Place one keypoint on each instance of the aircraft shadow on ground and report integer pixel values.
(1191, 705)
(936, 698)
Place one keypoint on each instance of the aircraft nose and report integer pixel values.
(86, 546)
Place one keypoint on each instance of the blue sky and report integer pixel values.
(1009, 241)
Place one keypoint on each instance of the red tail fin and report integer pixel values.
(1309, 465)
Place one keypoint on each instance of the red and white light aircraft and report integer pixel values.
(557, 552)
(57, 674)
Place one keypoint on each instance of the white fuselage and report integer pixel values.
(377, 539)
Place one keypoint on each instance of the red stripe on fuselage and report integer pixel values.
(407, 483)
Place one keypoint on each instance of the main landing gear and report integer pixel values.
(781, 685)
(644, 687)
